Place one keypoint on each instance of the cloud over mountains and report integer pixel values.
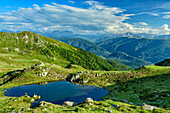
(95, 19)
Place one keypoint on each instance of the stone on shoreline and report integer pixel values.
(89, 100)
(68, 103)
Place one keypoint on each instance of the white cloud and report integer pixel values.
(149, 13)
(96, 19)
(142, 23)
(91, 2)
(71, 1)
(166, 29)
(166, 16)
(166, 12)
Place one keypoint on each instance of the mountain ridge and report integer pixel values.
(148, 49)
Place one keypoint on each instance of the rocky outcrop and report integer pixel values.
(68, 103)
(149, 107)
(13, 74)
(73, 78)
(78, 77)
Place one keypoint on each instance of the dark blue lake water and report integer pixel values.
(58, 92)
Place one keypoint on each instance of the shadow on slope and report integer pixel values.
(153, 90)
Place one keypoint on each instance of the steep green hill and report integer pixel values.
(86, 45)
(34, 47)
(91, 47)
(166, 62)
(152, 50)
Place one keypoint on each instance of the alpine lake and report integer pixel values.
(58, 92)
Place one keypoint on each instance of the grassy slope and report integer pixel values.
(91, 47)
(119, 65)
(32, 46)
(137, 86)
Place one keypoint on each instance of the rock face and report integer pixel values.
(73, 77)
(68, 103)
(77, 77)
(89, 100)
(149, 107)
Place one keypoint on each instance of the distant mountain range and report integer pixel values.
(134, 52)
(94, 38)
(152, 50)
(70, 34)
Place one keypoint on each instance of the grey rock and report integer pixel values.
(89, 100)
(149, 107)
(32, 100)
(124, 100)
(90, 104)
(130, 102)
(114, 105)
(110, 111)
(68, 103)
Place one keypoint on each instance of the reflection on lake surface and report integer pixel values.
(58, 92)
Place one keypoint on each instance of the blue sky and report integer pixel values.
(86, 17)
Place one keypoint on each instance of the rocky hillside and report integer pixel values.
(34, 47)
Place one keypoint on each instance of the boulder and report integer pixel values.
(68, 103)
(16, 49)
(44, 74)
(32, 100)
(114, 105)
(6, 48)
(25, 37)
(34, 96)
(89, 100)
(110, 111)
